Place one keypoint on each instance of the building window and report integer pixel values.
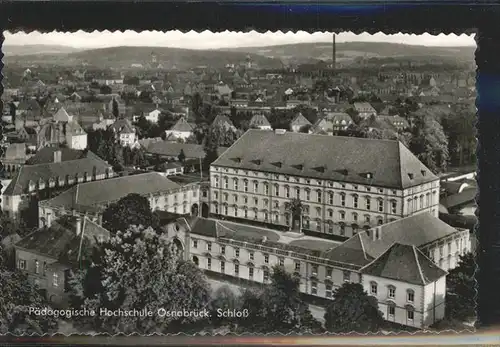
(355, 216)
(236, 211)
(245, 185)
(216, 209)
(373, 288)
(347, 276)
(410, 314)
(392, 292)
(281, 261)
(342, 229)
(226, 210)
(236, 270)
(329, 272)
(245, 200)
(22, 264)
(328, 291)
(342, 215)
(410, 297)
(380, 205)
(216, 182)
(55, 279)
(209, 263)
(209, 246)
(223, 249)
(342, 199)
(314, 288)
(330, 198)
(226, 196)
(195, 243)
(287, 192)
(266, 189)
(308, 194)
(255, 201)
(355, 201)
(421, 201)
(255, 186)
(318, 195)
(250, 272)
(266, 275)
(235, 198)
(266, 258)
(37, 267)
(391, 311)
(394, 207)
(297, 266)
(368, 203)
(297, 193)
(380, 221)
(330, 213)
(251, 256)
(276, 204)
(226, 183)
(276, 190)
(441, 250)
(427, 199)
(222, 266)
(315, 270)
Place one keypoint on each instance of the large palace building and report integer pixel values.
(344, 183)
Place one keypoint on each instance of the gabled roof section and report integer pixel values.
(259, 120)
(404, 263)
(300, 120)
(182, 125)
(346, 159)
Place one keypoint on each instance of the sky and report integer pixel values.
(209, 40)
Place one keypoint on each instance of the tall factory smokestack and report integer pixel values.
(334, 54)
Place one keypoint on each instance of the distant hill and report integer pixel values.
(123, 57)
(348, 51)
(18, 50)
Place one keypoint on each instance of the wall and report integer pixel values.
(434, 301)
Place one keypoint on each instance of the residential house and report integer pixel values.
(299, 122)
(181, 130)
(152, 115)
(364, 109)
(14, 157)
(332, 122)
(223, 121)
(259, 121)
(124, 132)
(63, 129)
(92, 198)
(49, 254)
(44, 177)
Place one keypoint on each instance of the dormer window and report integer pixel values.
(369, 175)
(410, 175)
(423, 172)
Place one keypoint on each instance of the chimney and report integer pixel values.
(264, 239)
(334, 54)
(57, 156)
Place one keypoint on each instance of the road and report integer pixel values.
(317, 312)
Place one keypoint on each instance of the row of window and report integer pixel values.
(391, 292)
(298, 180)
(281, 260)
(306, 222)
(53, 182)
(22, 265)
(307, 197)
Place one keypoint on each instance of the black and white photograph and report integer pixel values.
(245, 183)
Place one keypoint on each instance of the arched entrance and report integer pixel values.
(179, 246)
(204, 210)
(194, 210)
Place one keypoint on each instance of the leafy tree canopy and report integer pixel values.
(132, 209)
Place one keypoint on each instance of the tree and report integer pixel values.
(181, 156)
(116, 111)
(305, 128)
(139, 269)
(224, 298)
(105, 89)
(295, 208)
(132, 209)
(352, 309)
(461, 289)
(18, 295)
(279, 307)
(429, 143)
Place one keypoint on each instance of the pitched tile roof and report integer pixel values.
(91, 196)
(418, 230)
(222, 120)
(346, 159)
(60, 241)
(172, 149)
(122, 126)
(46, 155)
(259, 120)
(300, 120)
(45, 171)
(182, 125)
(405, 263)
(468, 195)
(333, 120)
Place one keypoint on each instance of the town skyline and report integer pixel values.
(222, 40)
